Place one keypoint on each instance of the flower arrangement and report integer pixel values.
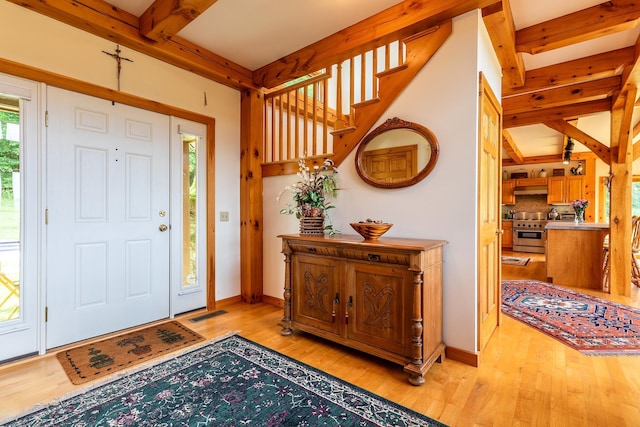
(579, 206)
(310, 192)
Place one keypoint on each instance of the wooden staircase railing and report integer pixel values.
(329, 112)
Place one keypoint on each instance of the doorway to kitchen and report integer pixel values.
(534, 269)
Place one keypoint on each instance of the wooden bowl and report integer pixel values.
(370, 230)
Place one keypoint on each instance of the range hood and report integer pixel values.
(530, 191)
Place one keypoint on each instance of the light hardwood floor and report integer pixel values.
(525, 378)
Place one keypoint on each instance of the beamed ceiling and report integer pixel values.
(561, 60)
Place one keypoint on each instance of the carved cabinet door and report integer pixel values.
(315, 296)
(377, 301)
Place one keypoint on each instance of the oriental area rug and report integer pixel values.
(229, 382)
(97, 359)
(591, 325)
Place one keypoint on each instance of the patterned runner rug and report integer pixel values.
(589, 324)
(97, 359)
(227, 383)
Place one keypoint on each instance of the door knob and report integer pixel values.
(163, 227)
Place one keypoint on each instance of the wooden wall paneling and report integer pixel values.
(251, 218)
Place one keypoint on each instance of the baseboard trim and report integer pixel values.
(278, 302)
(462, 356)
(228, 301)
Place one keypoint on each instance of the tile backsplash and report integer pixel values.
(533, 203)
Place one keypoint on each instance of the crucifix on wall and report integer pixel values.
(119, 60)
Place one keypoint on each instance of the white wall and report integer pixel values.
(443, 98)
(49, 45)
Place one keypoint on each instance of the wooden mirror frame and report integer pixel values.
(389, 126)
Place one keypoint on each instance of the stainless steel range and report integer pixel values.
(529, 234)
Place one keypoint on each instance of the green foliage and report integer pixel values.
(635, 200)
(310, 192)
(9, 151)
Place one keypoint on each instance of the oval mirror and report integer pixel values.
(396, 154)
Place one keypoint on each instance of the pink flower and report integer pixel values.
(579, 204)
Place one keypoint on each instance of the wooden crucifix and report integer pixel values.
(119, 60)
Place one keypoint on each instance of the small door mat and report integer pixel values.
(97, 359)
(513, 260)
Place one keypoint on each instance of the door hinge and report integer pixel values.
(46, 119)
(46, 314)
(46, 216)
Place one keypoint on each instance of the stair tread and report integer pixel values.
(392, 70)
(367, 102)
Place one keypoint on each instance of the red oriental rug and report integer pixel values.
(591, 325)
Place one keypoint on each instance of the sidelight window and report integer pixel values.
(189, 210)
(10, 223)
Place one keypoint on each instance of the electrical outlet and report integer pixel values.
(224, 216)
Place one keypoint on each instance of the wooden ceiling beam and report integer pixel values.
(402, 20)
(499, 22)
(587, 24)
(165, 18)
(109, 22)
(510, 147)
(599, 149)
(563, 95)
(551, 158)
(579, 70)
(630, 77)
(564, 112)
(624, 136)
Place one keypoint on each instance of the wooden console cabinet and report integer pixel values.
(382, 297)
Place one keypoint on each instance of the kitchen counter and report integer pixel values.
(575, 253)
(571, 225)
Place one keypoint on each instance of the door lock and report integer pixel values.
(163, 228)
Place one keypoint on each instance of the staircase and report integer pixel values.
(326, 114)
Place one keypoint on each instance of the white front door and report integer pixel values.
(108, 217)
(20, 218)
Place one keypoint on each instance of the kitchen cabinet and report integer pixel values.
(383, 297)
(564, 189)
(507, 235)
(531, 182)
(508, 187)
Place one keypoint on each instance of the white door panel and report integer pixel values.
(108, 182)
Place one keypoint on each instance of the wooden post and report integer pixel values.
(620, 205)
(251, 147)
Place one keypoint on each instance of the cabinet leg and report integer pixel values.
(286, 332)
(416, 379)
